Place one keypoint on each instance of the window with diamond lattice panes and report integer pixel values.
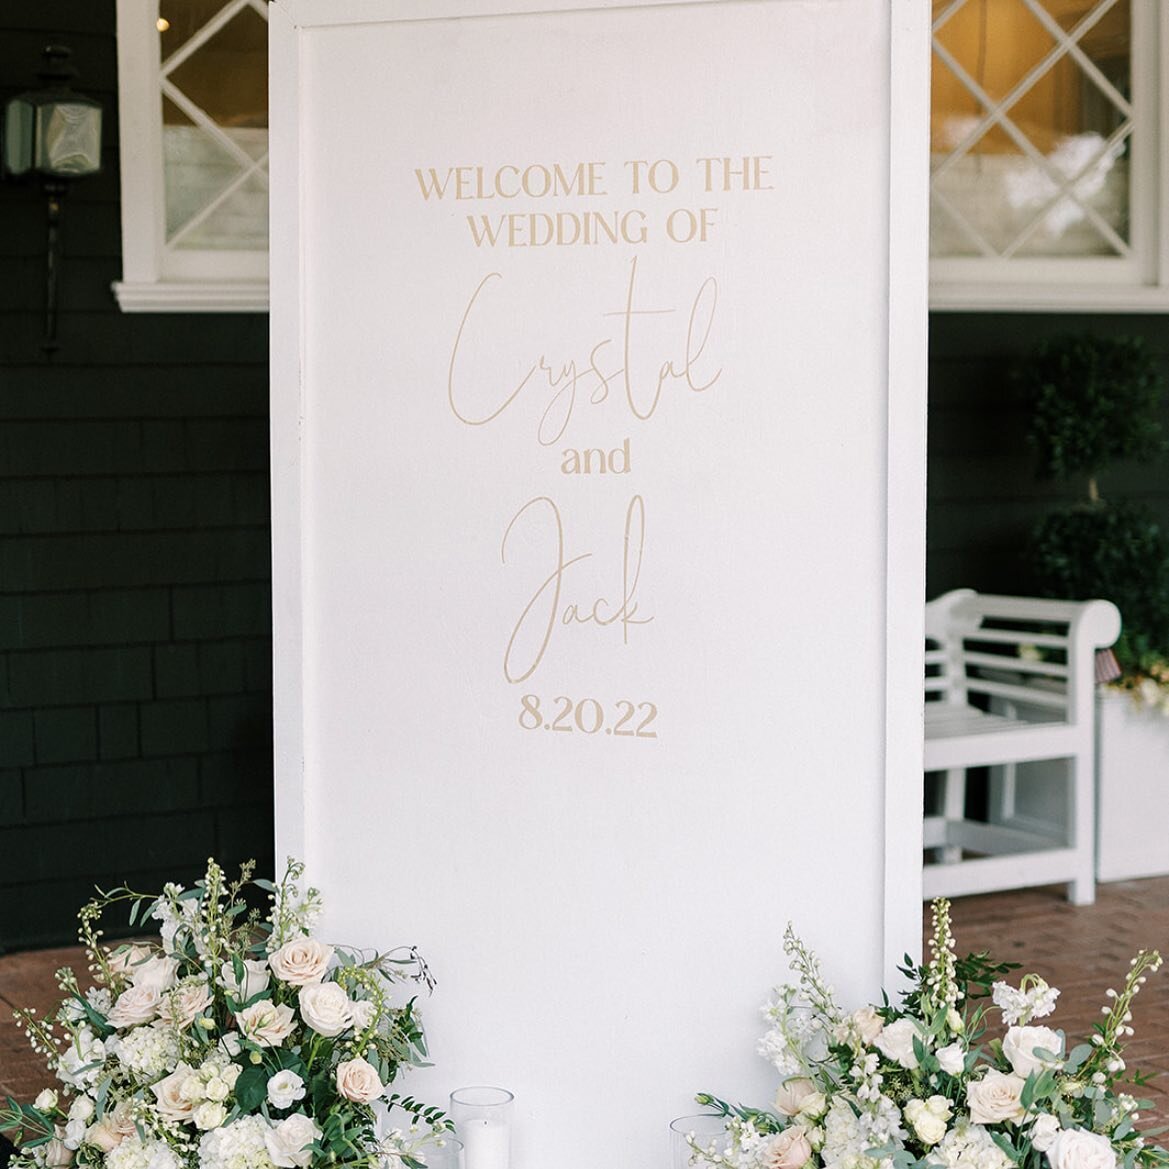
(1043, 141)
(194, 83)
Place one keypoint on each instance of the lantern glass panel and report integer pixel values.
(69, 138)
(18, 136)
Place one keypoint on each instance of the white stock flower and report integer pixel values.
(995, 1098)
(285, 1088)
(896, 1041)
(289, 1141)
(357, 1080)
(301, 961)
(952, 1059)
(1076, 1148)
(265, 1023)
(324, 1006)
(80, 1064)
(1020, 1045)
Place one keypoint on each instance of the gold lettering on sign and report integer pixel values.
(537, 621)
(594, 373)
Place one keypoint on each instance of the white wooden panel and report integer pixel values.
(604, 911)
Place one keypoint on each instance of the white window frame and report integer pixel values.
(1135, 283)
(156, 278)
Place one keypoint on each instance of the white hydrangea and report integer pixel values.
(845, 1141)
(134, 1153)
(147, 1052)
(968, 1146)
(239, 1145)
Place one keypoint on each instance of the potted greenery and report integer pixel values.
(1096, 402)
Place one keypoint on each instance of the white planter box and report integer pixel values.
(1132, 789)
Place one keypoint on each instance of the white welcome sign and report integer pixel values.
(598, 368)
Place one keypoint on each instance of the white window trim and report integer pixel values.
(155, 278)
(1138, 283)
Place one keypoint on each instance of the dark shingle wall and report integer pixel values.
(135, 676)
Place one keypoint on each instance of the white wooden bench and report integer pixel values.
(1009, 681)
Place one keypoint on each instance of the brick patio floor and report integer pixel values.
(1082, 951)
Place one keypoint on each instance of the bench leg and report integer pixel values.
(1081, 791)
(953, 808)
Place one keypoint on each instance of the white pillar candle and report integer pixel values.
(485, 1144)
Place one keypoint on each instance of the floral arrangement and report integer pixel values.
(232, 1042)
(1148, 684)
(921, 1086)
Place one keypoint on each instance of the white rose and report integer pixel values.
(301, 961)
(290, 1141)
(57, 1154)
(208, 1115)
(159, 973)
(896, 1040)
(868, 1023)
(324, 1006)
(362, 1014)
(1044, 1129)
(135, 1005)
(81, 1109)
(255, 979)
(172, 1104)
(790, 1149)
(74, 1134)
(814, 1105)
(265, 1023)
(183, 1004)
(1021, 1043)
(112, 1129)
(1076, 1148)
(994, 1098)
(46, 1100)
(125, 959)
(284, 1089)
(358, 1081)
(216, 1089)
(791, 1095)
(952, 1059)
(929, 1118)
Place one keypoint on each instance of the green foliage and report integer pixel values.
(1095, 400)
(1116, 551)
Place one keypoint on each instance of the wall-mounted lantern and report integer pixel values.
(55, 134)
